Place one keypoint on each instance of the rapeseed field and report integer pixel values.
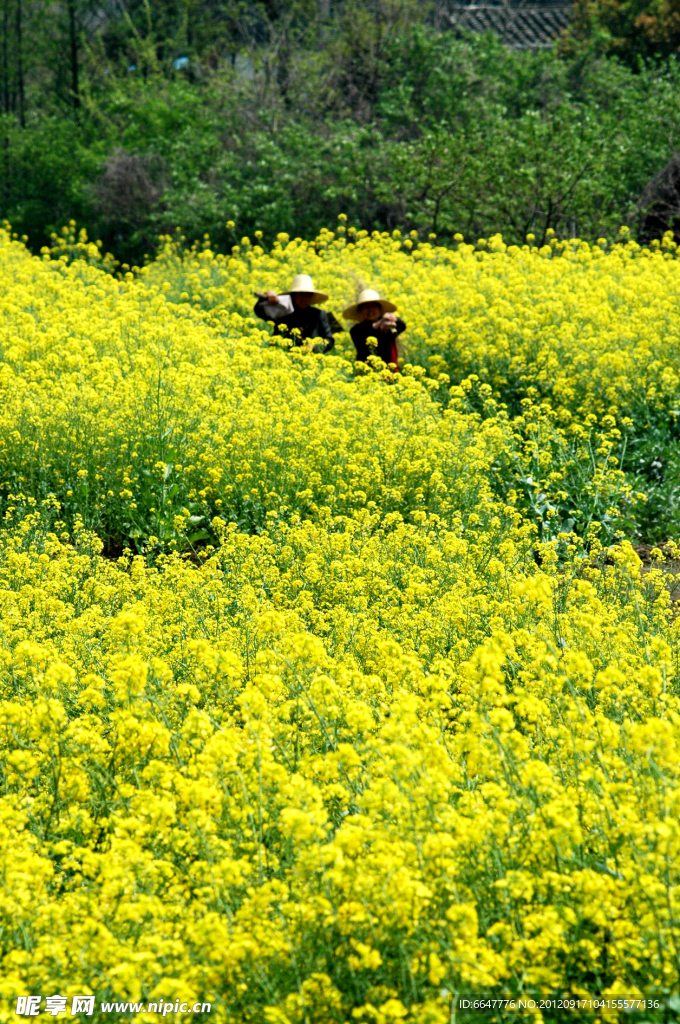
(329, 693)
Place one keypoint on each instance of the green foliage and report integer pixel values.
(633, 30)
(279, 116)
(451, 136)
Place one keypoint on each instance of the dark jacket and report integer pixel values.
(310, 322)
(386, 348)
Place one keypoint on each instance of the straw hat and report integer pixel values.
(304, 283)
(368, 295)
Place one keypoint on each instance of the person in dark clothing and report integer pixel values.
(294, 314)
(377, 328)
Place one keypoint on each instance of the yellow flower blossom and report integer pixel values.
(301, 714)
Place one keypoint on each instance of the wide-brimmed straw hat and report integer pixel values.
(368, 295)
(304, 283)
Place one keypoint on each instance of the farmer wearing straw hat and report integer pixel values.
(377, 328)
(295, 311)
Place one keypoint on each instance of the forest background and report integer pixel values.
(142, 117)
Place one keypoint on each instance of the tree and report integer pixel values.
(633, 30)
(12, 59)
(363, 33)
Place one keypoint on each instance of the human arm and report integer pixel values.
(390, 323)
(269, 306)
(260, 309)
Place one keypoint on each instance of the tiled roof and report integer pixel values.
(519, 27)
